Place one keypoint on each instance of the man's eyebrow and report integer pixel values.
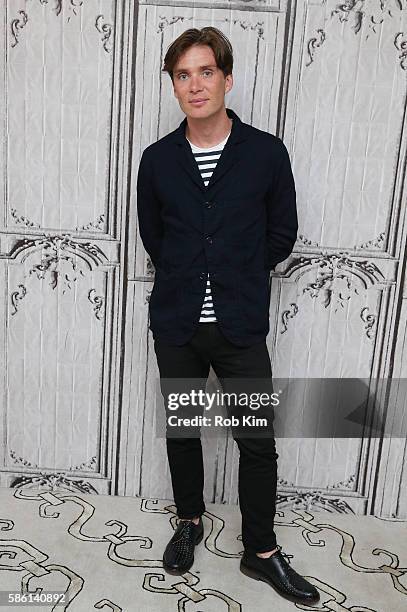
(200, 67)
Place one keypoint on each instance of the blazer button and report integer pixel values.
(208, 204)
(209, 239)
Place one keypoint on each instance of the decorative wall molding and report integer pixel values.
(313, 44)
(322, 288)
(89, 465)
(105, 29)
(98, 302)
(22, 220)
(58, 480)
(362, 12)
(165, 21)
(307, 241)
(17, 25)
(58, 248)
(72, 5)
(288, 314)
(281, 482)
(335, 265)
(258, 26)
(335, 280)
(400, 42)
(348, 483)
(21, 461)
(375, 242)
(16, 296)
(59, 251)
(96, 225)
(312, 500)
(150, 269)
(369, 319)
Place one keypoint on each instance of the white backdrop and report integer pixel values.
(83, 96)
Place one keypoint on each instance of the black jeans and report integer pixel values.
(257, 479)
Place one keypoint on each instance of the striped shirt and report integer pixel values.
(207, 158)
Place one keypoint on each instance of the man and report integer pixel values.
(217, 211)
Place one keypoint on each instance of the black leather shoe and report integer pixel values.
(279, 574)
(179, 553)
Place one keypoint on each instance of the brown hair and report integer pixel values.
(214, 38)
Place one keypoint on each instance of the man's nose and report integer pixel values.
(195, 83)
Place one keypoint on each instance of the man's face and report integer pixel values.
(196, 77)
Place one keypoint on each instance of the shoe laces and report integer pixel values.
(187, 527)
(286, 556)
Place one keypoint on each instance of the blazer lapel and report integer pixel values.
(188, 163)
(225, 163)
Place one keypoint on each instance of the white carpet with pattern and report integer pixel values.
(104, 553)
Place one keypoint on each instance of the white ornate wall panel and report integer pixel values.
(64, 67)
(335, 308)
(58, 79)
(344, 124)
(327, 325)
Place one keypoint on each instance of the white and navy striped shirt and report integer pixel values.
(207, 158)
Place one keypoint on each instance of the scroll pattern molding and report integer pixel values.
(18, 23)
(59, 252)
(335, 279)
(89, 465)
(362, 11)
(52, 482)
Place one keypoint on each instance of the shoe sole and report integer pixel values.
(179, 572)
(253, 574)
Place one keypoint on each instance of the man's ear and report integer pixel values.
(228, 83)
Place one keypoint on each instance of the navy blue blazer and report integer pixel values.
(237, 228)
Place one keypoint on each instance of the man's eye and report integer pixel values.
(206, 72)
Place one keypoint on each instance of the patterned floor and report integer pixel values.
(105, 553)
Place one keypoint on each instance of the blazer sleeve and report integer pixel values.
(148, 210)
(282, 222)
